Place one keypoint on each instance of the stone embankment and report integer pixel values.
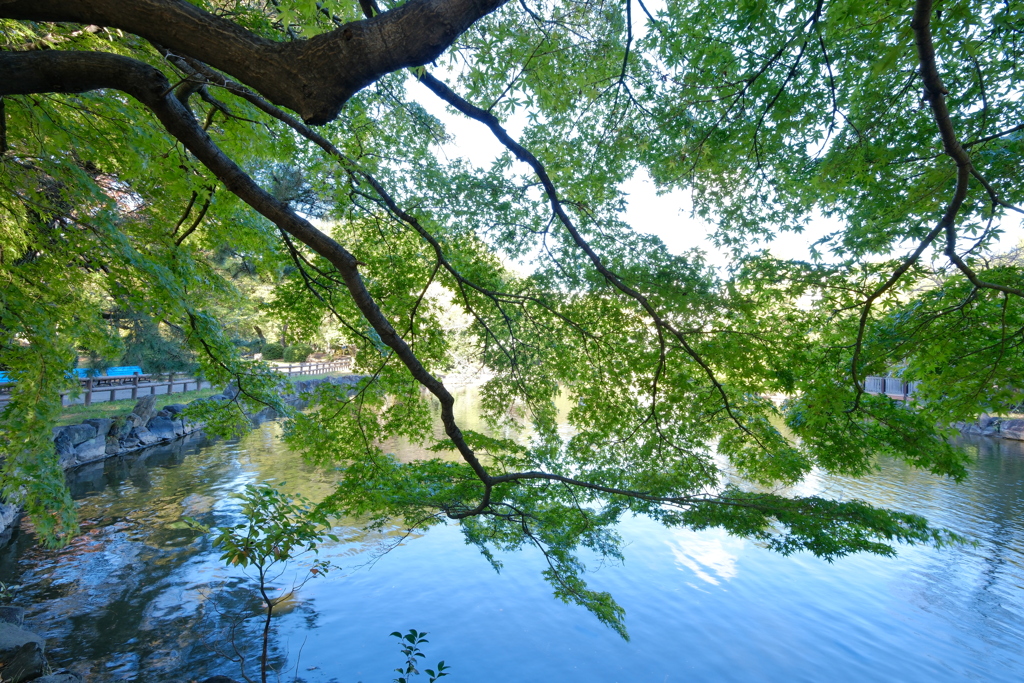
(145, 426)
(22, 655)
(101, 438)
(22, 652)
(997, 427)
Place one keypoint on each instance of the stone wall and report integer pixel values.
(147, 425)
(998, 427)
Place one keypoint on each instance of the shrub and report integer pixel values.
(273, 351)
(297, 353)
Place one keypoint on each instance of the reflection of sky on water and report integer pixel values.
(137, 597)
(711, 556)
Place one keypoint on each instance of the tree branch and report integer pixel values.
(313, 77)
(27, 73)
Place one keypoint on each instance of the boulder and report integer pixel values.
(174, 408)
(79, 433)
(61, 677)
(145, 409)
(102, 425)
(986, 421)
(24, 663)
(120, 427)
(143, 436)
(93, 449)
(12, 614)
(13, 637)
(113, 445)
(162, 428)
(66, 455)
(231, 390)
(9, 515)
(1012, 429)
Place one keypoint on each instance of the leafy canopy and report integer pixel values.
(123, 178)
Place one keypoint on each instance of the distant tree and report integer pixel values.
(139, 136)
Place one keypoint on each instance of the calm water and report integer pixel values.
(136, 597)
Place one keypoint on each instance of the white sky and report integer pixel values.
(665, 215)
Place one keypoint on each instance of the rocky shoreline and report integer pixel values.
(22, 652)
(996, 427)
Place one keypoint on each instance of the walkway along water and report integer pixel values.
(101, 438)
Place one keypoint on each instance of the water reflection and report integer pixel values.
(140, 597)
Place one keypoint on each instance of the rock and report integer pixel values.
(102, 425)
(120, 427)
(145, 408)
(174, 408)
(1012, 429)
(92, 449)
(62, 677)
(66, 454)
(986, 421)
(231, 390)
(13, 637)
(9, 515)
(128, 443)
(12, 614)
(143, 436)
(23, 663)
(80, 433)
(162, 428)
(162, 413)
(113, 445)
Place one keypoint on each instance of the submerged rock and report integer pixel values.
(12, 614)
(13, 637)
(24, 663)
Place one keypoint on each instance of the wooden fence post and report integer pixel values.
(88, 391)
(135, 387)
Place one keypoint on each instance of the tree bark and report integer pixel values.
(313, 77)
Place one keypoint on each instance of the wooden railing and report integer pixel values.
(893, 387)
(315, 368)
(133, 387)
(104, 388)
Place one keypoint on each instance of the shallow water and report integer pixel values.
(136, 597)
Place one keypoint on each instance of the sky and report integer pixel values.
(665, 215)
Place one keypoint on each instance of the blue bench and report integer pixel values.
(4, 378)
(125, 371)
(85, 373)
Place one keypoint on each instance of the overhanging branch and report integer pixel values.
(313, 77)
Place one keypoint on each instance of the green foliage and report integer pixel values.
(411, 642)
(277, 528)
(297, 353)
(273, 351)
(622, 378)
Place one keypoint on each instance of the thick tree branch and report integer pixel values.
(935, 93)
(27, 73)
(313, 77)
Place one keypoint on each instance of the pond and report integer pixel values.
(137, 597)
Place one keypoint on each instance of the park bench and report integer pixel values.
(121, 375)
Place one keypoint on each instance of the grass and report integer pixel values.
(77, 413)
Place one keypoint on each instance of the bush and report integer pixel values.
(297, 353)
(273, 351)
